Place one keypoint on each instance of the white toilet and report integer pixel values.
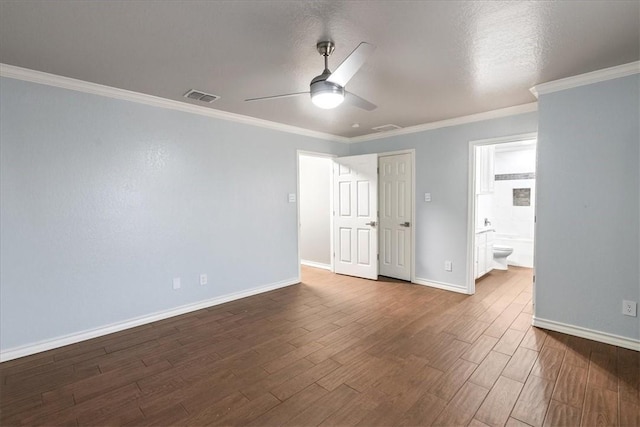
(500, 254)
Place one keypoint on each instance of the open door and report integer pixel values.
(356, 216)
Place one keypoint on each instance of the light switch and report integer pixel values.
(427, 197)
(292, 197)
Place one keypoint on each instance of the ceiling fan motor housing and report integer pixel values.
(320, 85)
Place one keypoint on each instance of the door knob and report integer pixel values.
(405, 224)
(372, 223)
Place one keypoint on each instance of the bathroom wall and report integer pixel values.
(484, 209)
(514, 224)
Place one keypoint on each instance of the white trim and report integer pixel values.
(587, 78)
(487, 115)
(590, 334)
(412, 152)
(504, 139)
(40, 77)
(13, 72)
(471, 219)
(441, 285)
(316, 264)
(29, 349)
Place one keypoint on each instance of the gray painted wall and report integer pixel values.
(104, 201)
(442, 169)
(588, 214)
(315, 204)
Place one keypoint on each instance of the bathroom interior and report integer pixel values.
(505, 206)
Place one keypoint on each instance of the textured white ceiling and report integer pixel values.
(435, 60)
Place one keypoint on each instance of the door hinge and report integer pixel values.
(378, 257)
(534, 278)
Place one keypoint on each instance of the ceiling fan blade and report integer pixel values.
(352, 64)
(356, 101)
(287, 95)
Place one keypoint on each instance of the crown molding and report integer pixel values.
(587, 78)
(40, 77)
(487, 115)
(11, 71)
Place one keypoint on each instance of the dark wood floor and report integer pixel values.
(335, 351)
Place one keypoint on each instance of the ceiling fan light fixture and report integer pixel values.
(327, 100)
(326, 95)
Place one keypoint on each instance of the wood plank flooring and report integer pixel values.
(335, 350)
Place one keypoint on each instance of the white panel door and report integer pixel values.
(395, 216)
(356, 216)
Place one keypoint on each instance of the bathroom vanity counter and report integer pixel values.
(484, 229)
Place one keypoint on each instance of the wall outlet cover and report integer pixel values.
(448, 266)
(629, 308)
(176, 283)
(203, 279)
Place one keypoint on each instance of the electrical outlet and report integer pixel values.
(427, 197)
(629, 308)
(448, 266)
(203, 279)
(176, 283)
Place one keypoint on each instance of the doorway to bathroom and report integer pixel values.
(502, 204)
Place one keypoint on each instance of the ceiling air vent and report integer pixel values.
(385, 128)
(201, 96)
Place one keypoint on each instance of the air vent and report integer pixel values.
(201, 96)
(385, 128)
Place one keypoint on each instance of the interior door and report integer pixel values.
(356, 216)
(395, 216)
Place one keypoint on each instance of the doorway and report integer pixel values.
(502, 206)
(315, 210)
(373, 215)
(367, 203)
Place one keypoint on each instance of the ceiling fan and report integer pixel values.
(327, 89)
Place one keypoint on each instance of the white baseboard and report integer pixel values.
(441, 285)
(590, 334)
(316, 264)
(45, 345)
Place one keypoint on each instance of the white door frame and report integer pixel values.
(323, 155)
(471, 202)
(412, 153)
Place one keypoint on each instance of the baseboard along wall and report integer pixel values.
(590, 334)
(38, 347)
